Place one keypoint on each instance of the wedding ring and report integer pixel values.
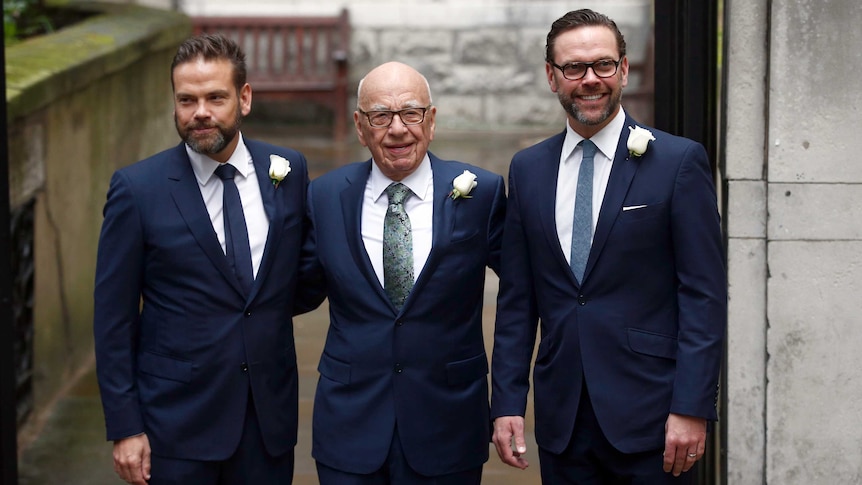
(692, 455)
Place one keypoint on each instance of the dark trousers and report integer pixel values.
(591, 460)
(396, 471)
(249, 465)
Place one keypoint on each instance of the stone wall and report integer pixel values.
(82, 102)
(795, 242)
(483, 59)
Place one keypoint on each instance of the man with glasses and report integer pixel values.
(400, 246)
(612, 241)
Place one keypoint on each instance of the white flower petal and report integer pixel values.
(464, 184)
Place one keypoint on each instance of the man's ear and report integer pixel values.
(245, 99)
(552, 81)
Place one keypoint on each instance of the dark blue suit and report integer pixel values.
(423, 369)
(180, 348)
(645, 329)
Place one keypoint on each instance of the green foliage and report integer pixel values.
(25, 18)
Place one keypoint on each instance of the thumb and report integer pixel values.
(520, 442)
(146, 465)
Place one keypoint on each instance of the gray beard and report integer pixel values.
(573, 111)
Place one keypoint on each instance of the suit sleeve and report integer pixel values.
(702, 290)
(495, 226)
(517, 318)
(311, 289)
(119, 282)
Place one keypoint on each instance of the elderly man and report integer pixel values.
(401, 243)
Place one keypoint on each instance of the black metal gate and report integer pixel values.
(686, 104)
(22, 267)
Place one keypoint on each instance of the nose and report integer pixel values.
(590, 75)
(202, 110)
(397, 124)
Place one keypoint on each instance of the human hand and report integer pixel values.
(509, 440)
(684, 442)
(132, 459)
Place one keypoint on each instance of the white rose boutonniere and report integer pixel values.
(463, 185)
(279, 167)
(638, 141)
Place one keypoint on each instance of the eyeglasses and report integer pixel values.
(576, 70)
(409, 116)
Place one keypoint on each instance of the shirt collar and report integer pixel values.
(418, 181)
(204, 166)
(606, 140)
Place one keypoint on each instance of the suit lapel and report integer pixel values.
(621, 176)
(351, 210)
(547, 211)
(187, 197)
(443, 220)
(273, 210)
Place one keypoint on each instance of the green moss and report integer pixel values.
(43, 68)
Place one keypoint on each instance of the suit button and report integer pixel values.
(243, 367)
(399, 322)
(248, 314)
(398, 368)
(582, 300)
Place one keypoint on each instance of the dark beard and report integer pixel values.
(214, 143)
(572, 110)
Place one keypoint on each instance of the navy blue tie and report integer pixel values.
(582, 225)
(237, 248)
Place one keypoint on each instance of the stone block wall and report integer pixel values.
(484, 59)
(794, 242)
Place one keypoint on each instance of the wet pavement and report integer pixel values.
(70, 448)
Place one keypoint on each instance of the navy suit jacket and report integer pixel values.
(179, 346)
(645, 330)
(423, 369)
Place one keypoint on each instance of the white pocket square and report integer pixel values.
(633, 207)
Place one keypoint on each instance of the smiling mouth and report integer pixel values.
(398, 148)
(591, 97)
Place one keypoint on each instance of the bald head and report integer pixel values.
(391, 75)
(396, 94)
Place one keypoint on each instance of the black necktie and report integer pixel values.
(235, 231)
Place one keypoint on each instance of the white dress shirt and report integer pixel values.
(419, 207)
(212, 191)
(567, 176)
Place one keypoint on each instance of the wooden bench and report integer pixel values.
(293, 58)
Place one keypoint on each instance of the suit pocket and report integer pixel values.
(334, 369)
(165, 367)
(655, 344)
(650, 211)
(464, 371)
(461, 238)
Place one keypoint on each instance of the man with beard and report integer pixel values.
(612, 241)
(195, 287)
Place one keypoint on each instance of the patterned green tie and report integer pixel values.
(397, 246)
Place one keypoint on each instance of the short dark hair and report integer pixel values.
(582, 18)
(212, 47)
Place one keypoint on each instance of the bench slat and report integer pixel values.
(293, 57)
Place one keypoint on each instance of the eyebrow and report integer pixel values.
(221, 92)
(407, 105)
